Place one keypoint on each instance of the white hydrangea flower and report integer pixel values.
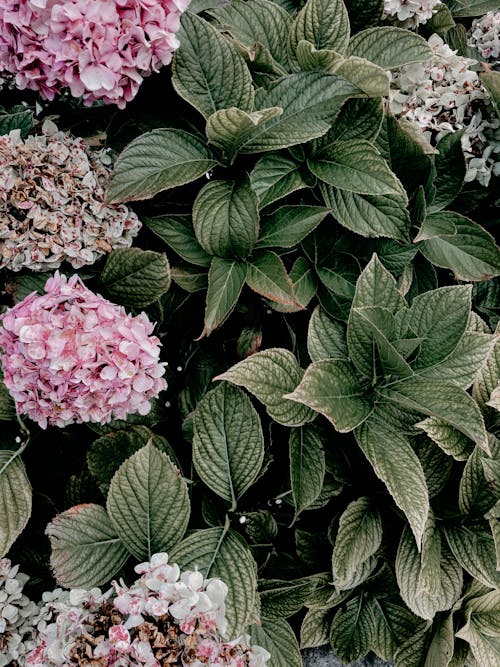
(484, 36)
(444, 95)
(410, 13)
(52, 203)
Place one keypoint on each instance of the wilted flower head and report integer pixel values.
(444, 95)
(484, 36)
(71, 356)
(52, 191)
(165, 617)
(100, 50)
(410, 13)
(18, 615)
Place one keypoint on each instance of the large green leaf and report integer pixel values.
(15, 499)
(157, 161)
(307, 466)
(332, 388)
(358, 119)
(450, 170)
(310, 102)
(375, 287)
(269, 375)
(226, 278)
(475, 551)
(148, 503)
(267, 276)
(226, 218)
(475, 496)
(393, 624)
(356, 166)
(358, 538)
(7, 405)
(442, 400)
(218, 552)
(323, 23)
(389, 47)
(465, 8)
(86, 550)
(488, 378)
(289, 225)
(18, 118)
(177, 231)
(426, 595)
(394, 461)
(275, 176)
(278, 638)
(369, 78)
(353, 629)
(482, 628)
(452, 442)
(369, 215)
(326, 338)
(452, 241)
(207, 70)
(135, 278)
(284, 598)
(228, 444)
(315, 627)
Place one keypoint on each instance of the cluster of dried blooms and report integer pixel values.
(71, 356)
(52, 192)
(100, 50)
(484, 36)
(410, 13)
(444, 95)
(166, 618)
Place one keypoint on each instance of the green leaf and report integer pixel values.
(278, 638)
(15, 499)
(466, 8)
(226, 278)
(443, 400)
(356, 166)
(332, 388)
(190, 278)
(315, 627)
(135, 278)
(358, 119)
(323, 23)
(86, 550)
(310, 102)
(430, 581)
(450, 170)
(375, 287)
(228, 129)
(452, 442)
(17, 119)
(177, 231)
(326, 338)
(359, 537)
(284, 598)
(289, 225)
(452, 241)
(157, 161)
(310, 58)
(148, 503)
(474, 494)
(226, 218)
(482, 629)
(268, 375)
(259, 21)
(307, 467)
(394, 461)
(489, 376)
(267, 276)
(7, 405)
(393, 623)
(369, 78)
(475, 551)
(207, 70)
(228, 444)
(106, 454)
(275, 176)
(389, 47)
(491, 81)
(218, 552)
(353, 629)
(439, 317)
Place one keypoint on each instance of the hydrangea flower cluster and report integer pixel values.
(18, 615)
(52, 191)
(410, 13)
(166, 617)
(100, 50)
(444, 95)
(71, 356)
(484, 36)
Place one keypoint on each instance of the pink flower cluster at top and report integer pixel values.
(71, 356)
(99, 49)
(165, 617)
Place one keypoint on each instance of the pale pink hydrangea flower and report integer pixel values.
(410, 13)
(70, 356)
(141, 625)
(484, 35)
(52, 203)
(100, 50)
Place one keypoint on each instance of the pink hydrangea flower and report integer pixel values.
(70, 356)
(100, 50)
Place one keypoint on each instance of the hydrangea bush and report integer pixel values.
(249, 319)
